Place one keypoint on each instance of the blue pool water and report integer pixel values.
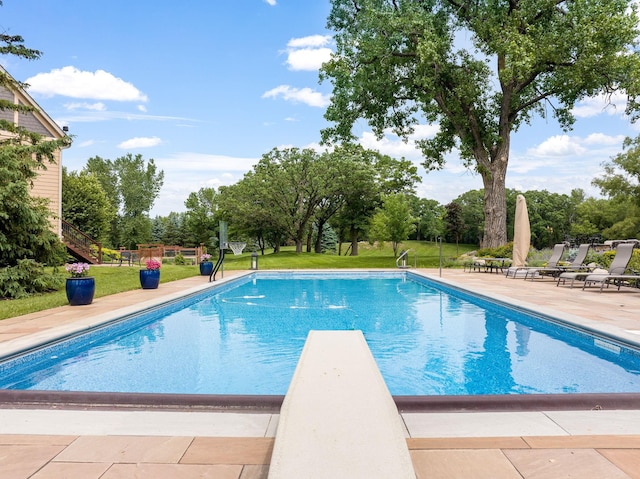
(245, 337)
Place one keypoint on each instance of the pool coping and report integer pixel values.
(271, 404)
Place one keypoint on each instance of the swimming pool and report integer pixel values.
(244, 337)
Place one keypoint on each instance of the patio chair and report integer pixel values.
(618, 267)
(576, 265)
(556, 254)
(619, 280)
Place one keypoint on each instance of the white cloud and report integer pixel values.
(71, 82)
(308, 59)
(594, 145)
(140, 142)
(313, 41)
(562, 163)
(424, 131)
(388, 146)
(308, 53)
(270, 2)
(187, 172)
(559, 145)
(201, 162)
(611, 104)
(392, 145)
(602, 139)
(99, 106)
(305, 95)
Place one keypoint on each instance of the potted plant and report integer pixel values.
(150, 277)
(80, 287)
(206, 266)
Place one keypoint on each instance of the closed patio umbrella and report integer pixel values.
(521, 233)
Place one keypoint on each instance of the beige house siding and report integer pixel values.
(48, 183)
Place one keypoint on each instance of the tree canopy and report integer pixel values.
(85, 204)
(201, 216)
(291, 194)
(393, 221)
(132, 186)
(621, 183)
(399, 62)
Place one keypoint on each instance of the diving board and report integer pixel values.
(338, 418)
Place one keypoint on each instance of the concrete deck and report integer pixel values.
(48, 443)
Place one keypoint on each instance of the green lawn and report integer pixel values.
(425, 253)
(116, 279)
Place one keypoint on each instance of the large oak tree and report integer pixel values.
(478, 68)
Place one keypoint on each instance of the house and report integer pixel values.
(48, 184)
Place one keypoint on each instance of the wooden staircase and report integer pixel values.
(81, 246)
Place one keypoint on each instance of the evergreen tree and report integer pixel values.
(26, 239)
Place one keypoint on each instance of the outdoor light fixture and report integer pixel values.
(254, 261)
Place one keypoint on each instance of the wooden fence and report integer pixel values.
(159, 252)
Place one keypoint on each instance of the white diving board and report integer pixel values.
(338, 419)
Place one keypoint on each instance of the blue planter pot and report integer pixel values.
(206, 268)
(149, 278)
(80, 290)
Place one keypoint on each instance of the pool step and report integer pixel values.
(338, 418)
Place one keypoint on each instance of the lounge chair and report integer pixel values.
(556, 254)
(618, 267)
(618, 280)
(576, 265)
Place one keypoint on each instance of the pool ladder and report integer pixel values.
(212, 276)
(402, 261)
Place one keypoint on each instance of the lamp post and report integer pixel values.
(440, 241)
(254, 260)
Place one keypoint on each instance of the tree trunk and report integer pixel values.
(354, 242)
(318, 246)
(309, 239)
(495, 202)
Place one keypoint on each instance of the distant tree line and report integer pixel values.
(333, 200)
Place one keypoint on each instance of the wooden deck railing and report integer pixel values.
(81, 245)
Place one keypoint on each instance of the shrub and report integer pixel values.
(605, 258)
(110, 255)
(505, 251)
(27, 278)
(179, 259)
(539, 257)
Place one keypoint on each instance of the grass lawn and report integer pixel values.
(116, 279)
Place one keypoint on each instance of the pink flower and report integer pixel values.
(77, 270)
(153, 264)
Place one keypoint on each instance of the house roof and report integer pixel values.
(38, 120)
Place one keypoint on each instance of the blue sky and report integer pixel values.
(206, 87)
